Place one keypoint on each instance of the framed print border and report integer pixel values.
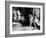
(7, 18)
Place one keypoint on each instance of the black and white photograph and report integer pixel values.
(25, 19)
